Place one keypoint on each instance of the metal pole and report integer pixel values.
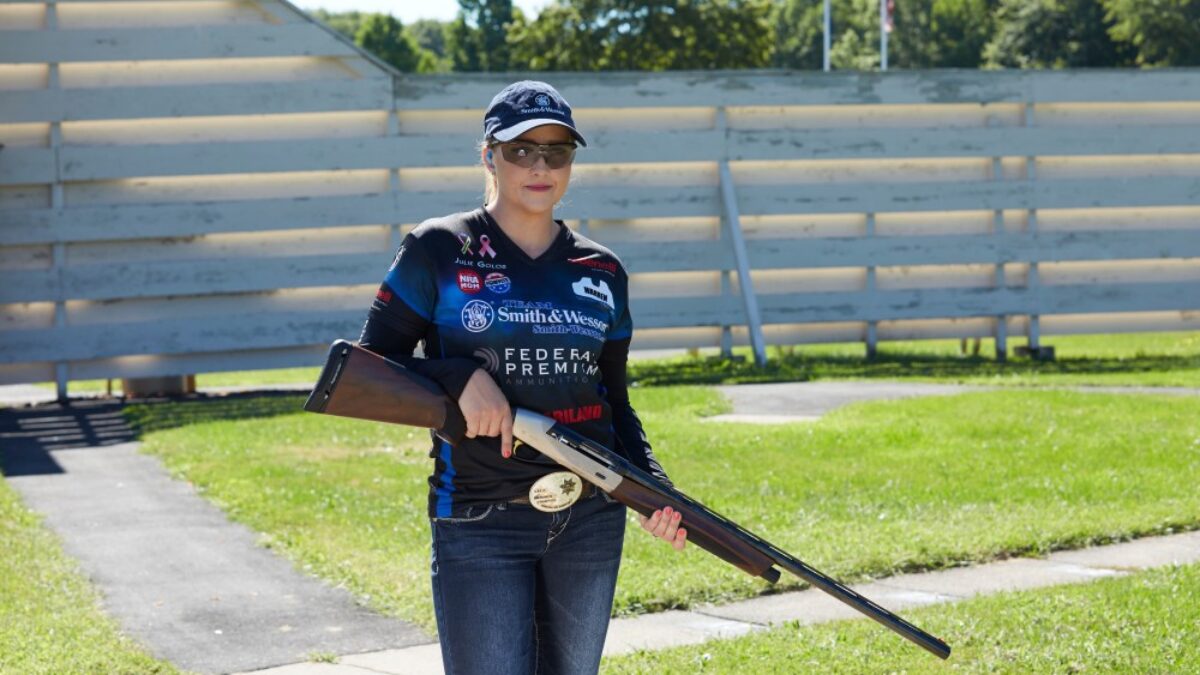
(883, 34)
(826, 46)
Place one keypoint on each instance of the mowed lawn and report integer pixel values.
(1144, 623)
(870, 490)
(50, 616)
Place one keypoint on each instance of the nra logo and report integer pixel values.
(574, 415)
(469, 282)
(383, 294)
(596, 264)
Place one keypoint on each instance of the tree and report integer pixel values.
(1159, 32)
(646, 35)
(384, 36)
(1054, 34)
(799, 27)
(429, 34)
(478, 39)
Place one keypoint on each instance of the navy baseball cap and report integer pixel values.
(524, 105)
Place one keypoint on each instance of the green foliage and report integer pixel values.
(478, 40)
(1054, 34)
(1161, 32)
(646, 35)
(383, 35)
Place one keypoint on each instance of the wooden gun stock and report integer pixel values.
(361, 384)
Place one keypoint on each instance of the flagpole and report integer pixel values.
(883, 34)
(826, 50)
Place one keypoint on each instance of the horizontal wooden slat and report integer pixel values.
(968, 195)
(180, 336)
(23, 166)
(944, 303)
(81, 163)
(134, 44)
(234, 275)
(255, 98)
(776, 87)
(129, 221)
(962, 249)
(202, 277)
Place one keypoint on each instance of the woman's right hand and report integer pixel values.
(486, 410)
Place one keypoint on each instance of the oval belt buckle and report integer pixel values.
(555, 491)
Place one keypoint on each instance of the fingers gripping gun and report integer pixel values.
(361, 384)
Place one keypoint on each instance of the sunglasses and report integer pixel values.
(525, 155)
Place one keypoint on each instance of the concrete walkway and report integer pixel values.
(179, 577)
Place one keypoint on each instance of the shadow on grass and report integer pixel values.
(159, 414)
(783, 366)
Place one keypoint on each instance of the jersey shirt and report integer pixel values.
(552, 331)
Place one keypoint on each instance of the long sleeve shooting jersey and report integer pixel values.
(553, 332)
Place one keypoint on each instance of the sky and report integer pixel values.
(409, 10)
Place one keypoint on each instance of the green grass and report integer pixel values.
(872, 489)
(1144, 623)
(50, 616)
(1147, 359)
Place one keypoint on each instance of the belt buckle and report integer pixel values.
(555, 491)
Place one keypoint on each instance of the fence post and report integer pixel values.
(872, 329)
(1001, 328)
(734, 223)
(1032, 281)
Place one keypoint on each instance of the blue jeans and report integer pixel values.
(517, 591)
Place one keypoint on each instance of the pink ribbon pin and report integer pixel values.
(485, 247)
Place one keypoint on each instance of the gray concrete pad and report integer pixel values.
(420, 660)
(179, 577)
(1180, 549)
(814, 399)
(669, 629)
(1005, 575)
(815, 606)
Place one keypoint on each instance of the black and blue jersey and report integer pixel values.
(553, 332)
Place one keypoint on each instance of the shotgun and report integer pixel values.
(358, 383)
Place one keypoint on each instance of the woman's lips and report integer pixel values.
(538, 188)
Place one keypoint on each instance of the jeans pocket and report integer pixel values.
(472, 514)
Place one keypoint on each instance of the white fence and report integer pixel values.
(175, 200)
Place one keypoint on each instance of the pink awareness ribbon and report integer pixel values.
(485, 247)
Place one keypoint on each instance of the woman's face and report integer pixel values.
(538, 188)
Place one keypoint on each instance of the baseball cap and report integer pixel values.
(524, 105)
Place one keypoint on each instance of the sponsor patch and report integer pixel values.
(576, 415)
(595, 263)
(477, 315)
(596, 290)
(497, 282)
(469, 282)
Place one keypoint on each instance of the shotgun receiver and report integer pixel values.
(361, 384)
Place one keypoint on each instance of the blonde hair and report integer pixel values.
(489, 179)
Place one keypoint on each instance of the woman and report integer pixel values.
(516, 310)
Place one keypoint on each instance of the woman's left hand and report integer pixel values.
(666, 524)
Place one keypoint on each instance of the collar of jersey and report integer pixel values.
(497, 235)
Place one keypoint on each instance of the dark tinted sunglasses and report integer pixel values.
(525, 154)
